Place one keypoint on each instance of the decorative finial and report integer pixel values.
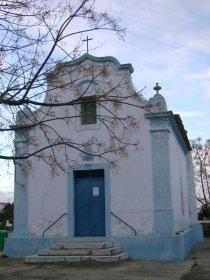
(86, 40)
(157, 102)
(157, 88)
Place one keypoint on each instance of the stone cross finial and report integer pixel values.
(157, 88)
(86, 40)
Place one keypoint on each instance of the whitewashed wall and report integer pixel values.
(131, 191)
(130, 183)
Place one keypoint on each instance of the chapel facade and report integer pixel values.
(141, 197)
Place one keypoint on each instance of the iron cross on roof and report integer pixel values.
(86, 40)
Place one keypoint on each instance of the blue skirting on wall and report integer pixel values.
(161, 247)
(149, 247)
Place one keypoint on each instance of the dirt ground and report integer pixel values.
(196, 267)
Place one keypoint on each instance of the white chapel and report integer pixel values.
(123, 173)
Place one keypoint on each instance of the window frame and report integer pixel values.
(85, 118)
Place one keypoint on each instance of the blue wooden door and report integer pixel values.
(89, 203)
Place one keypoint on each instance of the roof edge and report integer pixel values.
(100, 60)
(176, 123)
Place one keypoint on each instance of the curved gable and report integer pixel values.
(104, 59)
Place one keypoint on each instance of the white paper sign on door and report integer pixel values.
(95, 191)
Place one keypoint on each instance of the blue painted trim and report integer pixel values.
(149, 247)
(21, 247)
(71, 206)
(105, 59)
(20, 191)
(92, 84)
(163, 209)
(161, 247)
(100, 60)
(20, 205)
(167, 120)
(24, 117)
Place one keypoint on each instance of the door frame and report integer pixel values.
(70, 196)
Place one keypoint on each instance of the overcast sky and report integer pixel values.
(166, 42)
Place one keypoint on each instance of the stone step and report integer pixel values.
(80, 252)
(106, 252)
(64, 252)
(77, 252)
(73, 259)
(114, 258)
(81, 245)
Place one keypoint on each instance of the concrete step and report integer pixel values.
(64, 252)
(114, 258)
(79, 252)
(73, 259)
(81, 245)
(105, 252)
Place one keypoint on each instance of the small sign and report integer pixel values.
(95, 191)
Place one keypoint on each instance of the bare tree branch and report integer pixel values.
(36, 81)
(201, 160)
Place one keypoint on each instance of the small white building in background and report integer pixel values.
(146, 204)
